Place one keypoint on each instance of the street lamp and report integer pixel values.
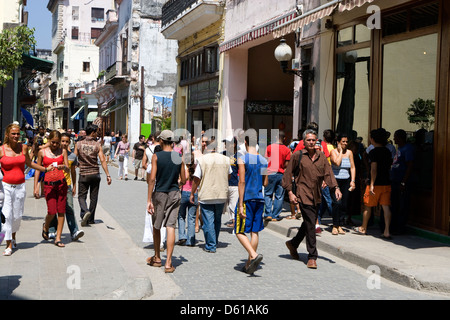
(283, 54)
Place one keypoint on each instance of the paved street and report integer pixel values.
(203, 276)
(109, 263)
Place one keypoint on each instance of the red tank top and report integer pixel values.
(13, 168)
(54, 175)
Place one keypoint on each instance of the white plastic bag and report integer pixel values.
(148, 230)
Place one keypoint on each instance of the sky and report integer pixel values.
(40, 19)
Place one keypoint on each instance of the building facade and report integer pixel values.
(357, 65)
(75, 26)
(138, 65)
(198, 27)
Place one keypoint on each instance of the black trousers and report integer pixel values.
(88, 183)
(308, 230)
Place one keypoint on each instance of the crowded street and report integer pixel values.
(111, 257)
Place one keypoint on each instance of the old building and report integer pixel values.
(137, 65)
(198, 28)
(75, 26)
(356, 65)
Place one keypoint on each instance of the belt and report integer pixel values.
(54, 183)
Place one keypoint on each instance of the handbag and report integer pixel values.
(121, 158)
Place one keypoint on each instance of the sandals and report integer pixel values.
(153, 263)
(171, 269)
(291, 217)
(44, 233)
(358, 231)
(7, 252)
(59, 244)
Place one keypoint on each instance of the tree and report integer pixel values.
(13, 43)
(421, 113)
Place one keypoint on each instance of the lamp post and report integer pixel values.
(283, 54)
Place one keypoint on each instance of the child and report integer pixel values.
(249, 216)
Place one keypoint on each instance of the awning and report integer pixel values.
(27, 115)
(34, 63)
(306, 18)
(350, 4)
(258, 32)
(76, 115)
(115, 107)
(316, 14)
(91, 116)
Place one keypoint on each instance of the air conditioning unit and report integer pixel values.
(295, 64)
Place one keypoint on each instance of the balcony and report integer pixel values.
(182, 18)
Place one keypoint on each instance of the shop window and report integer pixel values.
(408, 98)
(352, 93)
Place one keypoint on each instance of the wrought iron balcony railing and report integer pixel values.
(173, 8)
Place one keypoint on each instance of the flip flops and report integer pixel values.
(153, 263)
(44, 233)
(254, 263)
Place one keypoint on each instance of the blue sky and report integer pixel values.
(40, 19)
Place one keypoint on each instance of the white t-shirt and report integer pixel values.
(107, 141)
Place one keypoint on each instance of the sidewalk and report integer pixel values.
(412, 261)
(104, 264)
(409, 260)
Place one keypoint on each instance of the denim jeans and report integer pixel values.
(88, 183)
(70, 216)
(327, 203)
(212, 216)
(191, 209)
(274, 187)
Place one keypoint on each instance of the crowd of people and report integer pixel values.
(337, 174)
(193, 184)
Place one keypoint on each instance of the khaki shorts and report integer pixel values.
(106, 150)
(137, 164)
(166, 205)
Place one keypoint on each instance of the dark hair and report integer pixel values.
(91, 128)
(65, 134)
(379, 136)
(340, 136)
(312, 125)
(400, 133)
(141, 136)
(329, 136)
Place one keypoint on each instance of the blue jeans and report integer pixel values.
(212, 216)
(191, 212)
(274, 186)
(326, 203)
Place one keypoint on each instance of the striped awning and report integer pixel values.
(316, 14)
(350, 4)
(76, 115)
(257, 32)
(304, 19)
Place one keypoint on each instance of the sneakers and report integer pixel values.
(77, 235)
(85, 219)
(318, 230)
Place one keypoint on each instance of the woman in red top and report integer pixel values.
(55, 185)
(13, 157)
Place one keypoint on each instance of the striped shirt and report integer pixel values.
(88, 150)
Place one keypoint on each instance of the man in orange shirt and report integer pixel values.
(278, 156)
